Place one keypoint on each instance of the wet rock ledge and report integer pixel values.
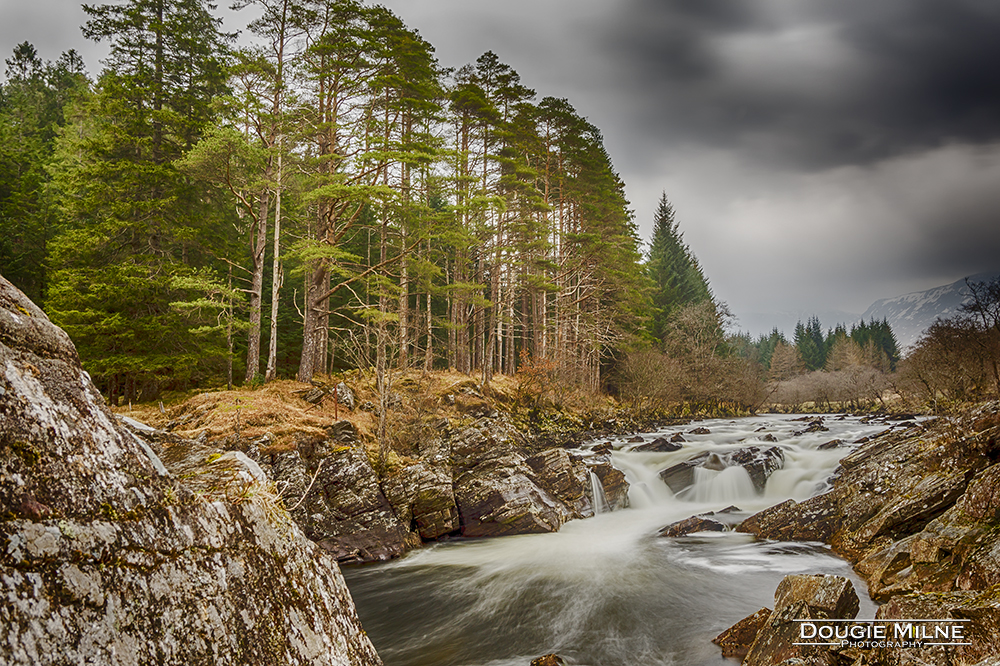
(107, 556)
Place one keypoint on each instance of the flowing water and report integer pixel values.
(608, 591)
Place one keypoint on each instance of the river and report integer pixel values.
(607, 591)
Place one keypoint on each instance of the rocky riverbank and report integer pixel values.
(478, 478)
(462, 461)
(917, 513)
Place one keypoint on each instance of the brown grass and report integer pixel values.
(278, 408)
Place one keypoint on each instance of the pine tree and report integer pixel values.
(131, 221)
(811, 343)
(678, 278)
(31, 112)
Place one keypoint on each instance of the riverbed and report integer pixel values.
(607, 591)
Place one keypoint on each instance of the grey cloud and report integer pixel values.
(912, 75)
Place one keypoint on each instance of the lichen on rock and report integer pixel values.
(108, 557)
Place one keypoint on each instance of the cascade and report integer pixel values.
(607, 590)
(597, 492)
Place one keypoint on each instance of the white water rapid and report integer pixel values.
(608, 591)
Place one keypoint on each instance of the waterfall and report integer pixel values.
(597, 492)
(728, 486)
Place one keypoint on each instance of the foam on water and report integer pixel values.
(606, 590)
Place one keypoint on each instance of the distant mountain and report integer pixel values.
(911, 314)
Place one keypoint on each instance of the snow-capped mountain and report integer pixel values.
(911, 314)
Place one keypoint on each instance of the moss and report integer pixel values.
(28, 454)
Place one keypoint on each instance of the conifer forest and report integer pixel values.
(326, 196)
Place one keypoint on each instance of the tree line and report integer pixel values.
(330, 196)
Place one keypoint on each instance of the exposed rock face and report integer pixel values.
(109, 558)
(980, 610)
(800, 598)
(498, 492)
(423, 498)
(345, 510)
(737, 639)
(477, 481)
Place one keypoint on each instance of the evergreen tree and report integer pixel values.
(31, 112)
(811, 343)
(131, 222)
(677, 276)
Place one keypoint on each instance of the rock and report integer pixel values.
(958, 549)
(679, 477)
(422, 496)
(602, 448)
(314, 395)
(548, 660)
(346, 511)
(344, 432)
(769, 438)
(798, 598)
(660, 445)
(832, 444)
(759, 463)
(701, 431)
(814, 426)
(678, 437)
(564, 477)
(635, 440)
(979, 611)
(828, 597)
(614, 483)
(815, 519)
(126, 564)
(714, 462)
(692, 525)
(737, 639)
(496, 490)
(344, 396)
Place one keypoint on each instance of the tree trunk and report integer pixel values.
(257, 286)
(277, 277)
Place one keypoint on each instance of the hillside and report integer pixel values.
(911, 314)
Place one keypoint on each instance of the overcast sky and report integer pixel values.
(820, 154)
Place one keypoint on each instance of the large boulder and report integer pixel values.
(108, 557)
(501, 489)
(336, 497)
(798, 598)
(737, 639)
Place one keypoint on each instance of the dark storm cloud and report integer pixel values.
(812, 84)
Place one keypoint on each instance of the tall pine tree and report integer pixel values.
(677, 277)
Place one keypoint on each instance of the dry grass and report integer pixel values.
(278, 408)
